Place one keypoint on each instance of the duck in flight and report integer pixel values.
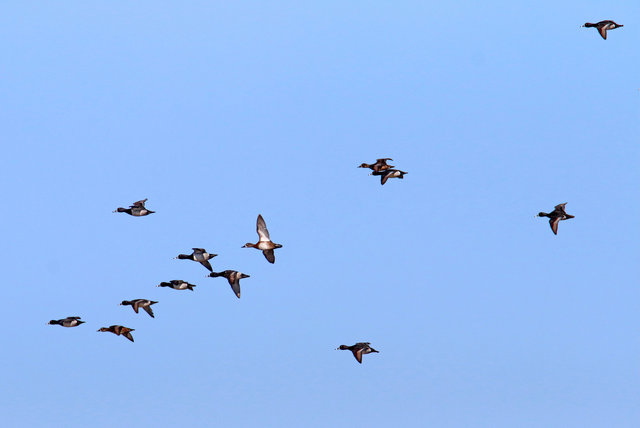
(265, 244)
(119, 330)
(555, 216)
(136, 304)
(603, 26)
(199, 255)
(137, 209)
(177, 284)
(67, 322)
(389, 173)
(233, 276)
(358, 349)
(380, 165)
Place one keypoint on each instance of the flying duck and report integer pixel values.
(265, 244)
(555, 216)
(199, 255)
(358, 349)
(67, 322)
(119, 330)
(603, 26)
(140, 303)
(380, 165)
(137, 209)
(233, 276)
(177, 284)
(389, 173)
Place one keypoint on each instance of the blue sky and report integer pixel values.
(218, 111)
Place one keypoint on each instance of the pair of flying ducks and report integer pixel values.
(118, 330)
(115, 329)
(383, 170)
(233, 277)
(556, 216)
(264, 243)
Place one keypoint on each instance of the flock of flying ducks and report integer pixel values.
(200, 255)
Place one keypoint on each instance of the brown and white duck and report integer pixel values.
(358, 349)
(119, 330)
(380, 165)
(233, 276)
(389, 173)
(555, 216)
(137, 209)
(199, 255)
(265, 244)
(136, 304)
(603, 26)
(177, 284)
(67, 322)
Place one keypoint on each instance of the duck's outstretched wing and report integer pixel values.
(149, 310)
(207, 265)
(269, 255)
(128, 335)
(357, 353)
(553, 222)
(603, 31)
(235, 286)
(261, 228)
(139, 204)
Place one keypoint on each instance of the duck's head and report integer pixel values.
(53, 322)
(541, 214)
(249, 245)
(342, 347)
(125, 303)
(104, 329)
(364, 165)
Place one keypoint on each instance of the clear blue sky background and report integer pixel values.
(217, 111)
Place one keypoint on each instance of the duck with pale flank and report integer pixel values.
(358, 350)
(380, 165)
(136, 304)
(199, 255)
(555, 216)
(67, 322)
(119, 330)
(265, 244)
(389, 173)
(137, 209)
(233, 276)
(603, 26)
(177, 284)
